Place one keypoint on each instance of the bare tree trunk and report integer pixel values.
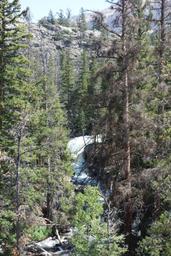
(162, 38)
(2, 69)
(44, 58)
(49, 192)
(108, 223)
(162, 41)
(127, 158)
(127, 165)
(18, 189)
(20, 132)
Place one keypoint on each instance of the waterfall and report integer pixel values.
(76, 146)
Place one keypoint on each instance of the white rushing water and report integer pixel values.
(76, 146)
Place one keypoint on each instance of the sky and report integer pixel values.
(40, 8)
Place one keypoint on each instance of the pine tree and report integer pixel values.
(64, 19)
(161, 80)
(56, 141)
(83, 84)
(158, 107)
(10, 41)
(135, 113)
(158, 110)
(91, 237)
(50, 136)
(157, 239)
(82, 24)
(33, 156)
(51, 18)
(16, 98)
(122, 135)
(67, 87)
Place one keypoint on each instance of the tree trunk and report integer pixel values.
(49, 193)
(127, 158)
(127, 166)
(162, 39)
(18, 190)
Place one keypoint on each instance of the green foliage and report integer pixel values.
(67, 88)
(15, 90)
(38, 233)
(33, 186)
(33, 134)
(7, 219)
(158, 241)
(64, 19)
(82, 24)
(51, 18)
(15, 108)
(93, 95)
(91, 235)
(83, 84)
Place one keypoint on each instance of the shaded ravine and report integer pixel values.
(59, 245)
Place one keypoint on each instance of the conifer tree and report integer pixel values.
(33, 157)
(64, 19)
(55, 140)
(83, 85)
(51, 18)
(160, 41)
(82, 24)
(135, 77)
(67, 87)
(121, 134)
(16, 97)
(11, 39)
(91, 237)
(158, 110)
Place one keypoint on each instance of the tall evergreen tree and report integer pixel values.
(91, 237)
(33, 137)
(82, 24)
(51, 18)
(16, 98)
(122, 135)
(67, 87)
(83, 85)
(11, 39)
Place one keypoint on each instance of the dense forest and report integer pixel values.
(105, 76)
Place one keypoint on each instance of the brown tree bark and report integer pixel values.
(18, 190)
(127, 150)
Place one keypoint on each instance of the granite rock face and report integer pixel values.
(54, 38)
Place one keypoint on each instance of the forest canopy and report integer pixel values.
(101, 82)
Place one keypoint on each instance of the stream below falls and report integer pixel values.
(59, 246)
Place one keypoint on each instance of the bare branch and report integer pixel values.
(111, 2)
(102, 23)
